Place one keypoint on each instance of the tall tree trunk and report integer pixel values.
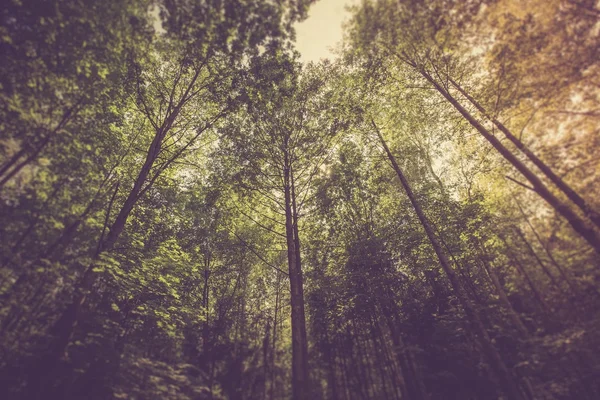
(537, 294)
(566, 276)
(9, 169)
(206, 305)
(546, 170)
(507, 381)
(63, 328)
(415, 389)
(266, 364)
(413, 384)
(355, 364)
(346, 375)
(329, 351)
(512, 314)
(397, 378)
(300, 383)
(537, 258)
(274, 345)
(578, 224)
(362, 361)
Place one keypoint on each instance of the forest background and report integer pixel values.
(188, 211)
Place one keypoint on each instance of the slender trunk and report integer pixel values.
(376, 345)
(538, 296)
(363, 370)
(299, 269)
(300, 389)
(274, 346)
(546, 170)
(65, 325)
(266, 364)
(356, 365)
(512, 314)
(11, 168)
(17, 168)
(396, 377)
(346, 376)
(119, 223)
(414, 386)
(330, 357)
(15, 247)
(205, 300)
(508, 383)
(537, 258)
(566, 276)
(13, 160)
(578, 224)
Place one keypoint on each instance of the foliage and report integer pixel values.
(176, 186)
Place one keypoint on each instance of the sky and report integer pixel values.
(322, 29)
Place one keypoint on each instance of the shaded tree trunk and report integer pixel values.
(274, 345)
(538, 296)
(565, 275)
(331, 370)
(266, 364)
(415, 389)
(508, 382)
(546, 170)
(578, 224)
(300, 378)
(537, 258)
(12, 167)
(63, 328)
(397, 379)
(512, 314)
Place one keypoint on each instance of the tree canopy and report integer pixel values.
(188, 211)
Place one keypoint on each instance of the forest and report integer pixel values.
(189, 211)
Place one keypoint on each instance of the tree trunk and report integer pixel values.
(566, 276)
(206, 305)
(63, 328)
(537, 258)
(507, 381)
(6, 173)
(412, 380)
(266, 365)
(300, 389)
(274, 346)
(546, 170)
(415, 389)
(578, 224)
(397, 378)
(65, 325)
(512, 314)
(538, 296)
(330, 358)
(363, 362)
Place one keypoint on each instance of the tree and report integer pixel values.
(291, 125)
(424, 53)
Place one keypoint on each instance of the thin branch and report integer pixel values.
(520, 183)
(242, 241)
